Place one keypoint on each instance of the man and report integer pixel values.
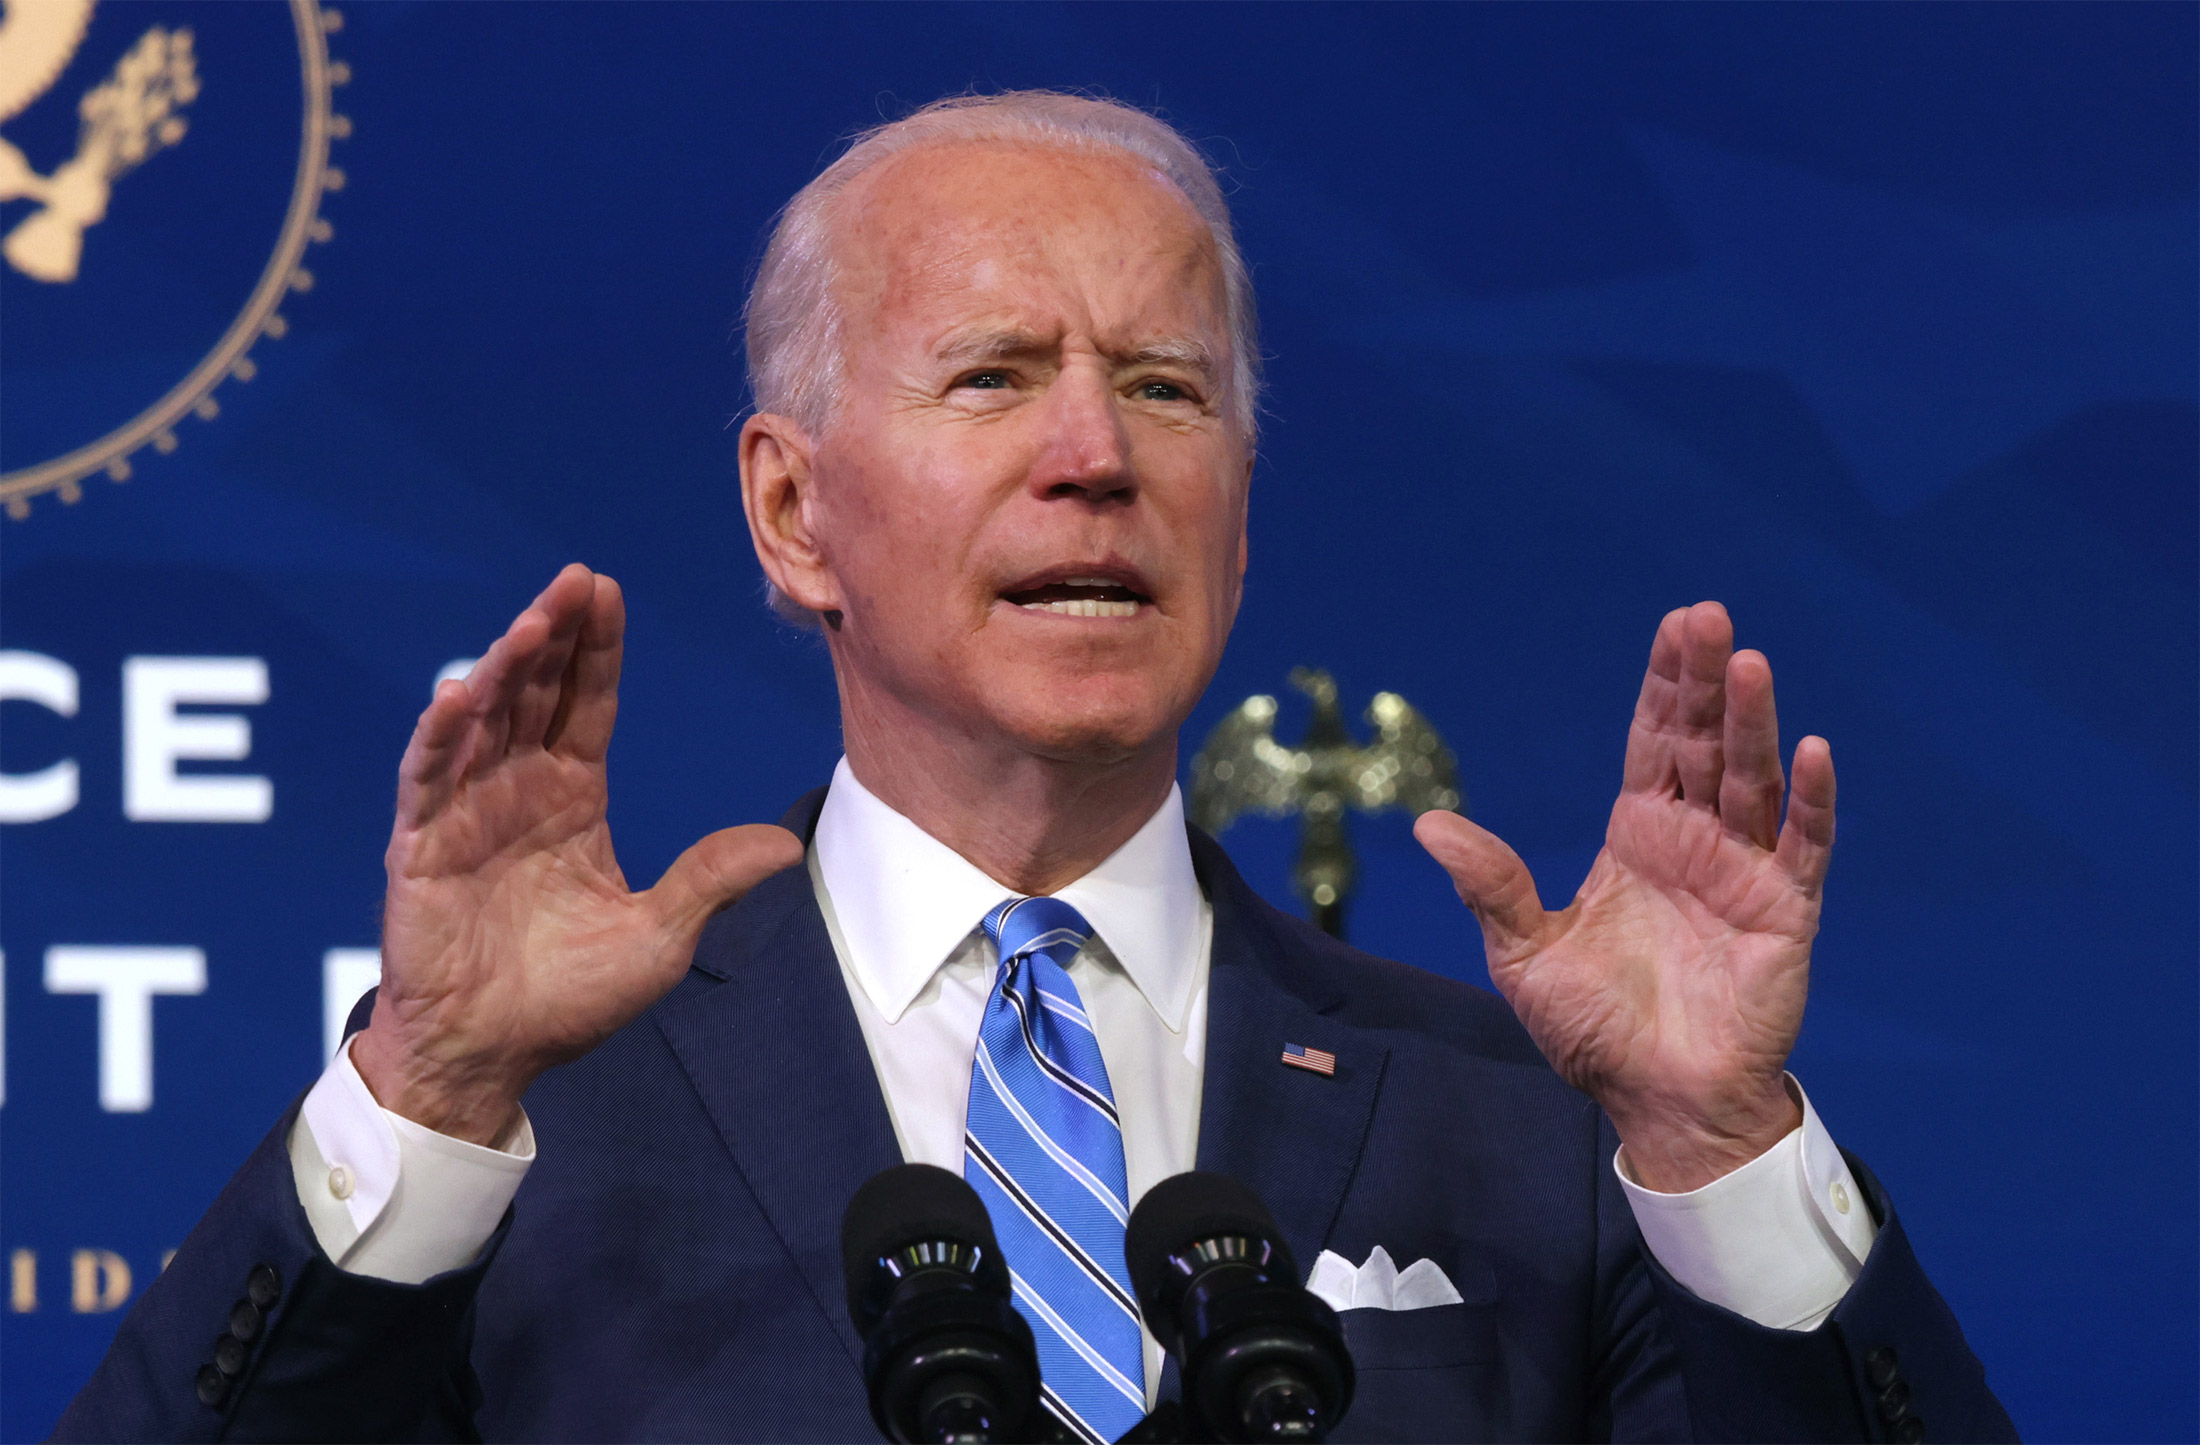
(1003, 361)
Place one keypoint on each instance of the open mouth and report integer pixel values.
(1081, 597)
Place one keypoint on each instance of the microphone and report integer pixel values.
(1262, 1358)
(946, 1358)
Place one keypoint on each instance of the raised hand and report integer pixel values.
(510, 940)
(1671, 989)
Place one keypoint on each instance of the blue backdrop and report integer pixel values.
(1877, 323)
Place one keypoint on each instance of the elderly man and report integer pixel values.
(580, 1173)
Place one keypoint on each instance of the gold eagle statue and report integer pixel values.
(1243, 769)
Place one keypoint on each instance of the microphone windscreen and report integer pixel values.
(1184, 1208)
(900, 1206)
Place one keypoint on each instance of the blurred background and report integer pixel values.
(1875, 322)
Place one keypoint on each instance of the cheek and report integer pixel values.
(899, 531)
(1217, 519)
(938, 482)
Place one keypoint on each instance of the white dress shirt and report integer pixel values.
(1778, 1240)
(903, 909)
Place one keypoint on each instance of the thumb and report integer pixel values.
(716, 872)
(1490, 878)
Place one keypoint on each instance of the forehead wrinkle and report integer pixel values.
(900, 250)
(988, 343)
(1184, 270)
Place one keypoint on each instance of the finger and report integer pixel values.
(716, 872)
(1491, 879)
(435, 756)
(1806, 841)
(590, 704)
(509, 667)
(494, 686)
(1749, 792)
(1650, 766)
(1699, 741)
(565, 604)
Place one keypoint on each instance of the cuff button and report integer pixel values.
(229, 1356)
(1883, 1367)
(245, 1320)
(213, 1385)
(1910, 1431)
(264, 1285)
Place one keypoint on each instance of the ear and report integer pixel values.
(1245, 515)
(777, 493)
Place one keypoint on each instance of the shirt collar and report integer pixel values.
(905, 901)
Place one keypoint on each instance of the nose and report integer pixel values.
(1085, 454)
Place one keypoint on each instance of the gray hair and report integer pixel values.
(794, 320)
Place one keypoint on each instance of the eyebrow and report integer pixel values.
(1181, 350)
(966, 347)
(961, 347)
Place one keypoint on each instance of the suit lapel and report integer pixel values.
(779, 1061)
(1295, 1137)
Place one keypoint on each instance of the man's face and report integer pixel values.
(1031, 504)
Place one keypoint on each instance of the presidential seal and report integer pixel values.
(162, 170)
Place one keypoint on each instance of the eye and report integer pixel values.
(1156, 389)
(985, 381)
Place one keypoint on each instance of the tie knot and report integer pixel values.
(1021, 927)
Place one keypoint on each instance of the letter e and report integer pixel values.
(155, 737)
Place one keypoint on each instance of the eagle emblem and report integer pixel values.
(1244, 769)
(122, 121)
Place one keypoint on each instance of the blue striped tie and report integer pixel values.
(1045, 1152)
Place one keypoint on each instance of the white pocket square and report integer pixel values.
(1379, 1284)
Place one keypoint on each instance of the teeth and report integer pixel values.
(1087, 582)
(1084, 607)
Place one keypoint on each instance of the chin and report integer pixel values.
(1091, 722)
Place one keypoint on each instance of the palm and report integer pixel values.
(510, 938)
(525, 845)
(1675, 980)
(1684, 947)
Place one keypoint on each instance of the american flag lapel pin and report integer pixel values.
(1314, 1061)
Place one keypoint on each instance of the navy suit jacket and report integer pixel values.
(670, 1268)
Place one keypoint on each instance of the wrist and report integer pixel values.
(1675, 1146)
(465, 1097)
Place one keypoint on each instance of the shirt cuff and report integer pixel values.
(1777, 1241)
(391, 1198)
